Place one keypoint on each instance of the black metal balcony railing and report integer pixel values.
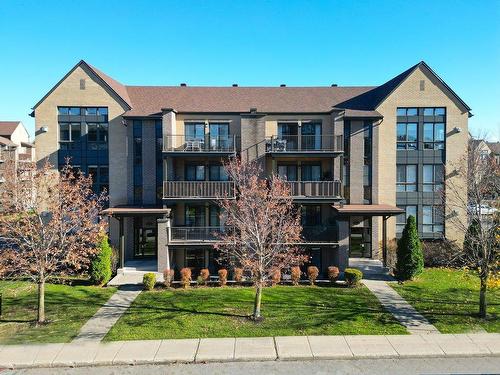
(320, 233)
(195, 233)
(198, 189)
(206, 143)
(305, 143)
(316, 189)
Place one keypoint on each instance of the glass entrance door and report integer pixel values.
(144, 240)
(360, 243)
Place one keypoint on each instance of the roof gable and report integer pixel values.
(372, 99)
(8, 127)
(114, 86)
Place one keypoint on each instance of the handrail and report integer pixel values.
(198, 189)
(305, 143)
(196, 233)
(316, 189)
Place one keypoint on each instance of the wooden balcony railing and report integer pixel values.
(305, 143)
(202, 234)
(316, 189)
(198, 189)
(203, 143)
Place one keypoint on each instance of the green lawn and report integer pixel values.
(222, 312)
(67, 308)
(449, 299)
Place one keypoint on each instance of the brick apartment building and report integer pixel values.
(358, 159)
(15, 146)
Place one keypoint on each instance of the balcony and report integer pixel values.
(320, 234)
(316, 189)
(198, 189)
(309, 144)
(195, 234)
(222, 144)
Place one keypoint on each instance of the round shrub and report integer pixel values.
(100, 267)
(222, 277)
(353, 276)
(275, 277)
(333, 273)
(238, 274)
(168, 277)
(185, 277)
(295, 273)
(149, 281)
(312, 274)
(205, 275)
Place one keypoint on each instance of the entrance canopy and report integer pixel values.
(134, 211)
(384, 210)
(368, 210)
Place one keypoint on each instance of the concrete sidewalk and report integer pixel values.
(248, 349)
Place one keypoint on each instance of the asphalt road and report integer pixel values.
(472, 365)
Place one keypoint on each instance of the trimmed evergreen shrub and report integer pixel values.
(295, 275)
(410, 258)
(222, 277)
(333, 274)
(312, 274)
(100, 267)
(353, 276)
(149, 281)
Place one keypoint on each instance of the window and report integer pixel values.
(195, 172)
(218, 173)
(69, 132)
(194, 131)
(137, 158)
(159, 161)
(97, 132)
(434, 111)
(219, 136)
(287, 172)
(100, 177)
(311, 135)
(407, 112)
(92, 111)
(137, 134)
(406, 177)
(214, 218)
(311, 172)
(434, 135)
(432, 219)
(407, 136)
(195, 216)
(195, 259)
(402, 218)
(310, 215)
(433, 177)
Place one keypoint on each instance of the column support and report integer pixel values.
(122, 241)
(384, 239)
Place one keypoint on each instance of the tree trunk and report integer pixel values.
(258, 298)
(482, 296)
(41, 302)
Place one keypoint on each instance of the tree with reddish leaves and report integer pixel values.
(49, 224)
(263, 226)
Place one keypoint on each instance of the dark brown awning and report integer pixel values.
(135, 211)
(368, 210)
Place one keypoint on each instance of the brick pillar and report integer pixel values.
(343, 240)
(162, 243)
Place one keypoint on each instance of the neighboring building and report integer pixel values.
(355, 157)
(14, 145)
(494, 150)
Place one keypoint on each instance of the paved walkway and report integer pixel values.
(248, 349)
(375, 278)
(406, 314)
(99, 325)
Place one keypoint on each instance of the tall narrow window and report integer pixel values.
(288, 132)
(311, 136)
(311, 172)
(195, 216)
(433, 177)
(195, 172)
(407, 136)
(137, 154)
(432, 219)
(406, 177)
(434, 135)
(219, 136)
(402, 218)
(287, 172)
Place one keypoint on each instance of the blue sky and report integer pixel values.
(300, 43)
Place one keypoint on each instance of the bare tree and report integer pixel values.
(48, 224)
(264, 226)
(473, 184)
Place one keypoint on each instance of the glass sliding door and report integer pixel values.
(311, 136)
(219, 137)
(288, 132)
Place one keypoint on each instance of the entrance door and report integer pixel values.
(145, 242)
(360, 244)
